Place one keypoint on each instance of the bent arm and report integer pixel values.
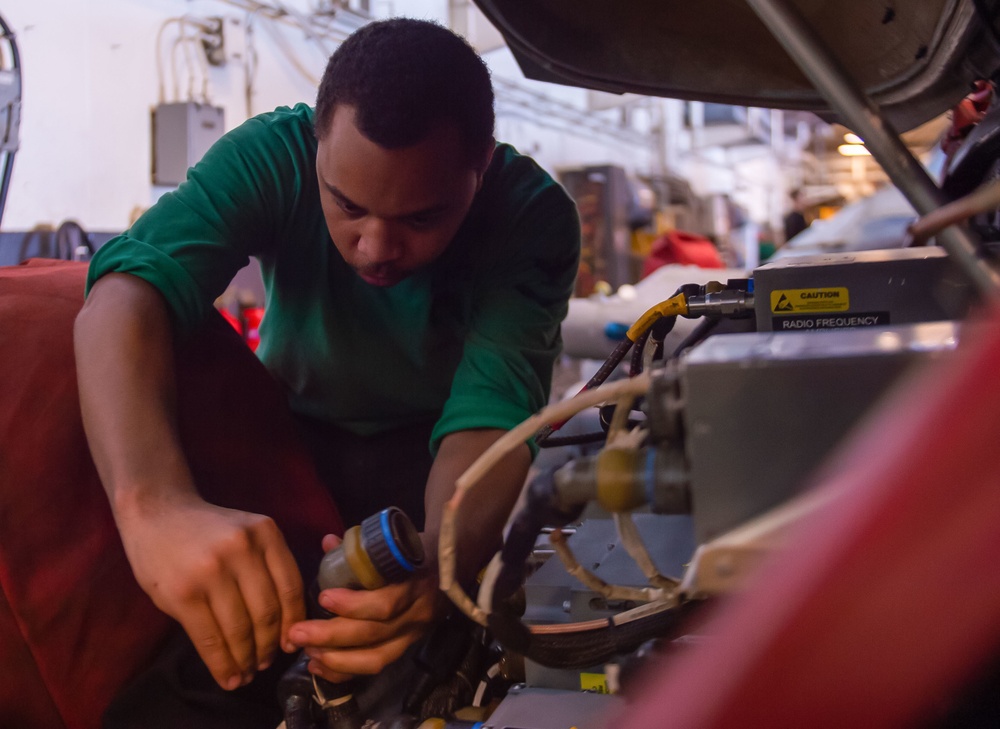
(125, 369)
(481, 517)
(226, 576)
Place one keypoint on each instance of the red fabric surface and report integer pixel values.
(74, 625)
(683, 248)
(885, 601)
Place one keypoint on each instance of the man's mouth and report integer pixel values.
(380, 277)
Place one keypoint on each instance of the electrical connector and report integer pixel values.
(733, 304)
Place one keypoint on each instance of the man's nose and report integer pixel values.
(378, 243)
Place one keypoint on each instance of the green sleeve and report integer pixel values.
(506, 368)
(191, 243)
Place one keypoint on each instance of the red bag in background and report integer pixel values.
(684, 248)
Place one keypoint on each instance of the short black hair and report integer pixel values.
(405, 77)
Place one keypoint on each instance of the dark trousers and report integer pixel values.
(364, 474)
(368, 473)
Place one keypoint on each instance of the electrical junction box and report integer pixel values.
(862, 289)
(182, 133)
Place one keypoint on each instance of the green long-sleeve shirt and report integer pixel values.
(469, 340)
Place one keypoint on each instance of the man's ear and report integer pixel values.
(484, 164)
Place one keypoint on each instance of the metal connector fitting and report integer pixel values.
(728, 303)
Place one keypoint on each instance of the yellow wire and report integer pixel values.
(674, 306)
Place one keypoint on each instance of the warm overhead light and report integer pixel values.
(852, 138)
(854, 150)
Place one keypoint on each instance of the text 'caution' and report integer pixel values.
(811, 301)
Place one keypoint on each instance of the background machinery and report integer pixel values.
(725, 462)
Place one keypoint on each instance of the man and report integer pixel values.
(795, 221)
(416, 275)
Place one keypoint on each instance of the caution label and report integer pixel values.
(595, 682)
(827, 321)
(803, 301)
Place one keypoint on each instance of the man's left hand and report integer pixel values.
(372, 628)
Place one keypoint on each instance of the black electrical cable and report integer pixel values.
(607, 413)
(635, 367)
(541, 508)
(572, 440)
(656, 333)
(72, 237)
(602, 374)
(298, 713)
(697, 334)
(38, 235)
(616, 357)
(582, 648)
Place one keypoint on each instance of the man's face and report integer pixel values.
(391, 211)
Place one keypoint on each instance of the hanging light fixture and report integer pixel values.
(854, 147)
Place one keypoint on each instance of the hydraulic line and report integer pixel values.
(676, 305)
(602, 374)
(697, 334)
(637, 352)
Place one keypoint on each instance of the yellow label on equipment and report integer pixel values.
(594, 682)
(809, 301)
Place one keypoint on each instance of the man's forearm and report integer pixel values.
(225, 575)
(125, 368)
(481, 517)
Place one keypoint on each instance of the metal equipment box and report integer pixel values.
(863, 289)
(763, 410)
(182, 133)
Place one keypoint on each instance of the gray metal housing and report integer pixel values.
(897, 286)
(762, 411)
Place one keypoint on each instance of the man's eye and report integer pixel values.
(350, 208)
(422, 221)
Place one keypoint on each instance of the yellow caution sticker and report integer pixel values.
(596, 682)
(811, 301)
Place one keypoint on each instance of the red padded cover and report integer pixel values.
(74, 625)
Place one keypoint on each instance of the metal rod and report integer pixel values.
(862, 115)
(8, 168)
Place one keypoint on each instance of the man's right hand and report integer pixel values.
(226, 576)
